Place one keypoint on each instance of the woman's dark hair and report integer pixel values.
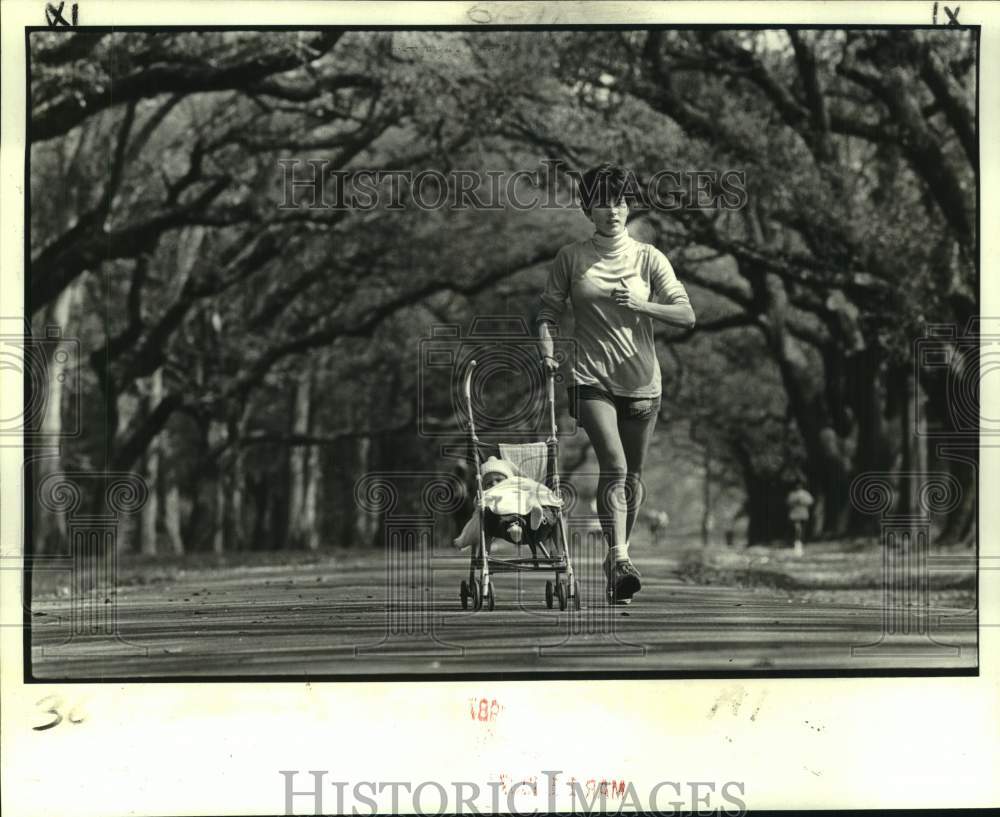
(604, 184)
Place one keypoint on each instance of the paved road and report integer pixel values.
(332, 619)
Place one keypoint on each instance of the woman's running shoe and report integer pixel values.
(623, 580)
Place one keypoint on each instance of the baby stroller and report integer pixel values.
(538, 461)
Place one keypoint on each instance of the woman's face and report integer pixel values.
(609, 219)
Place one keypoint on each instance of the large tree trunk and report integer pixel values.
(236, 525)
(952, 395)
(172, 517)
(262, 531)
(298, 461)
(237, 492)
(767, 520)
(127, 407)
(960, 525)
(920, 429)
(812, 393)
(310, 516)
(230, 479)
(828, 467)
(196, 528)
(905, 497)
(50, 526)
(170, 489)
(707, 521)
(216, 436)
(363, 523)
(867, 390)
(221, 501)
(150, 511)
(187, 249)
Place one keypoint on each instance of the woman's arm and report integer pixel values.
(553, 303)
(671, 314)
(680, 314)
(664, 286)
(546, 345)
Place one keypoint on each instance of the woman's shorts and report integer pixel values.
(628, 408)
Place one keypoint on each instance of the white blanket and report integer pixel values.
(516, 495)
(522, 496)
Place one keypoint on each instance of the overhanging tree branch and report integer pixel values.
(66, 109)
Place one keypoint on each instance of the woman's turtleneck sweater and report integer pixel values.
(609, 246)
(614, 348)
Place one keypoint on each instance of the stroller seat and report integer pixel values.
(530, 459)
(537, 461)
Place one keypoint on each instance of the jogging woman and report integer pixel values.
(616, 287)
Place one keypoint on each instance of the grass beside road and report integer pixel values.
(137, 570)
(849, 572)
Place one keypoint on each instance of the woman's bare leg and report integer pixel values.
(600, 420)
(635, 436)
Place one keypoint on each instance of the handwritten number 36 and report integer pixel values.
(55, 709)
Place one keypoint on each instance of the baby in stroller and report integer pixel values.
(518, 509)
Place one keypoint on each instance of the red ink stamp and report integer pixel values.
(484, 710)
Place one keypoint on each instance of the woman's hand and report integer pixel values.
(625, 297)
(547, 348)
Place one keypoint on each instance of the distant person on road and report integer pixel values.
(742, 513)
(616, 288)
(799, 501)
(658, 522)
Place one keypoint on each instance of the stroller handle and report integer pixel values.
(467, 388)
(551, 389)
(551, 386)
(468, 379)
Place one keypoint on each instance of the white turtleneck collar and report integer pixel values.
(608, 246)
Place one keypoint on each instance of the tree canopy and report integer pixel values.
(256, 353)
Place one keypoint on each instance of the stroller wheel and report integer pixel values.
(561, 594)
(477, 599)
(464, 594)
(548, 594)
(490, 600)
(576, 597)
